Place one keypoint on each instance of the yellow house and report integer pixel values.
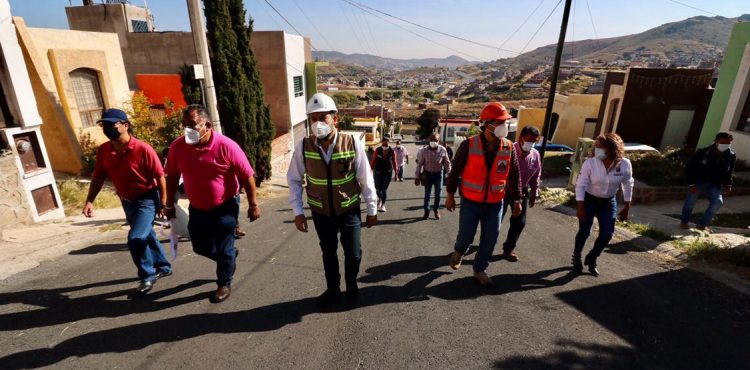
(370, 127)
(576, 117)
(75, 75)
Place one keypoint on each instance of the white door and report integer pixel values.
(677, 129)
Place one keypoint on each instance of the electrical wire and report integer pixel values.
(523, 24)
(591, 17)
(694, 8)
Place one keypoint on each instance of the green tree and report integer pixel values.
(429, 95)
(374, 94)
(346, 123)
(427, 122)
(344, 99)
(397, 94)
(239, 89)
(191, 88)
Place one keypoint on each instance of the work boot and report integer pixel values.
(590, 261)
(221, 294)
(684, 225)
(455, 260)
(437, 214)
(577, 264)
(352, 294)
(426, 214)
(328, 297)
(482, 279)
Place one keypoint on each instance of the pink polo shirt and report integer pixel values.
(134, 171)
(210, 171)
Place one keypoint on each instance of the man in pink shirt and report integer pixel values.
(213, 168)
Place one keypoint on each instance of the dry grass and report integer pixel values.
(73, 194)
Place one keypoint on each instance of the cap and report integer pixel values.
(113, 116)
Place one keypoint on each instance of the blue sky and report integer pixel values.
(350, 30)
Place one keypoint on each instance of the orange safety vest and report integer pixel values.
(476, 184)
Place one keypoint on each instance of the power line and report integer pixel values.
(417, 34)
(540, 26)
(694, 8)
(348, 21)
(522, 24)
(362, 6)
(372, 36)
(361, 30)
(313, 24)
(592, 19)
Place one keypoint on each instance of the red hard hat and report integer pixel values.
(494, 111)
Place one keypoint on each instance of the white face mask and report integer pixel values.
(723, 147)
(398, 146)
(322, 129)
(527, 146)
(433, 144)
(501, 131)
(600, 154)
(192, 136)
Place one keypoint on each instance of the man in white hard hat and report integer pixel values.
(334, 170)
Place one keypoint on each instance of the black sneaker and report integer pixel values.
(144, 287)
(352, 296)
(328, 297)
(162, 274)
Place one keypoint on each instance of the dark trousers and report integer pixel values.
(605, 211)
(434, 181)
(517, 223)
(212, 234)
(349, 225)
(382, 181)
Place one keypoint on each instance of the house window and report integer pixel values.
(744, 123)
(298, 86)
(139, 26)
(88, 95)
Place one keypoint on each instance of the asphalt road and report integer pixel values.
(415, 312)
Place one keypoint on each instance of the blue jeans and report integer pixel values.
(401, 172)
(434, 180)
(143, 244)
(349, 225)
(212, 234)
(715, 199)
(605, 211)
(382, 181)
(471, 215)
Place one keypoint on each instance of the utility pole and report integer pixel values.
(553, 83)
(201, 48)
(382, 105)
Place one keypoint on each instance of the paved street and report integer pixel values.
(415, 312)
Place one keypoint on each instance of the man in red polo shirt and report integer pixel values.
(213, 168)
(138, 177)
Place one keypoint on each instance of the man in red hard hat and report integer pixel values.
(485, 170)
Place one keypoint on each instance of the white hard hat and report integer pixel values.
(321, 103)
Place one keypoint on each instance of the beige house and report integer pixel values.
(573, 116)
(75, 75)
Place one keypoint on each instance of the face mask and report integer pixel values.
(192, 136)
(385, 145)
(112, 133)
(322, 129)
(527, 146)
(433, 144)
(600, 154)
(723, 147)
(501, 131)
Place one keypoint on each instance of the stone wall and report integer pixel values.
(281, 156)
(14, 209)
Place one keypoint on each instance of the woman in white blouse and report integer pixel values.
(596, 188)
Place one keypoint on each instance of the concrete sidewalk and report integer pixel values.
(26, 247)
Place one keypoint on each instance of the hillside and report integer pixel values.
(692, 36)
(376, 62)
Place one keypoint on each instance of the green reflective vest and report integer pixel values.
(332, 188)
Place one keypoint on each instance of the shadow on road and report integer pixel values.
(59, 308)
(100, 248)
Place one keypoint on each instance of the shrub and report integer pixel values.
(661, 169)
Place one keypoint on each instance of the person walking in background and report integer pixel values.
(384, 166)
(338, 175)
(596, 188)
(486, 171)
(432, 165)
(402, 159)
(213, 168)
(530, 166)
(138, 177)
(709, 172)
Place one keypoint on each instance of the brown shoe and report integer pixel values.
(426, 215)
(509, 256)
(437, 214)
(455, 260)
(221, 295)
(483, 279)
(684, 225)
